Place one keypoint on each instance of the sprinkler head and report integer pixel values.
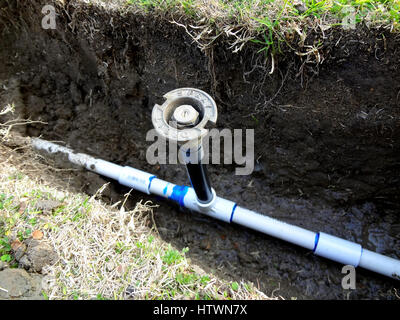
(181, 119)
(183, 116)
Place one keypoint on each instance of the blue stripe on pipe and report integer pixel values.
(316, 242)
(233, 211)
(178, 194)
(150, 180)
(165, 189)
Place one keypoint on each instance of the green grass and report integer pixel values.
(277, 10)
(172, 256)
(270, 24)
(6, 203)
(187, 6)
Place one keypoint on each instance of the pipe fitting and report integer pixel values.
(337, 249)
(205, 206)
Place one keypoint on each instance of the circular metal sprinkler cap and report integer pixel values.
(184, 114)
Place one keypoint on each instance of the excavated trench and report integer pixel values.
(327, 137)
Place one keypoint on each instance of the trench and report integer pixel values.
(327, 147)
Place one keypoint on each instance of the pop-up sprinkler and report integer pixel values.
(182, 119)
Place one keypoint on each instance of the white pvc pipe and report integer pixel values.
(275, 228)
(324, 245)
(340, 250)
(380, 264)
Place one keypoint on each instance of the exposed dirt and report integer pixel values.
(327, 136)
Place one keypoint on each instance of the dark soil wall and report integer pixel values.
(335, 134)
(327, 135)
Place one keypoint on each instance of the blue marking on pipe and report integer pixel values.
(178, 194)
(233, 211)
(165, 189)
(150, 180)
(316, 242)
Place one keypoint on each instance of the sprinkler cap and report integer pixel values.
(184, 114)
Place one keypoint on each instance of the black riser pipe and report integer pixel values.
(199, 179)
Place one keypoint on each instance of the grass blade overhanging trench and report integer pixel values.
(269, 23)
